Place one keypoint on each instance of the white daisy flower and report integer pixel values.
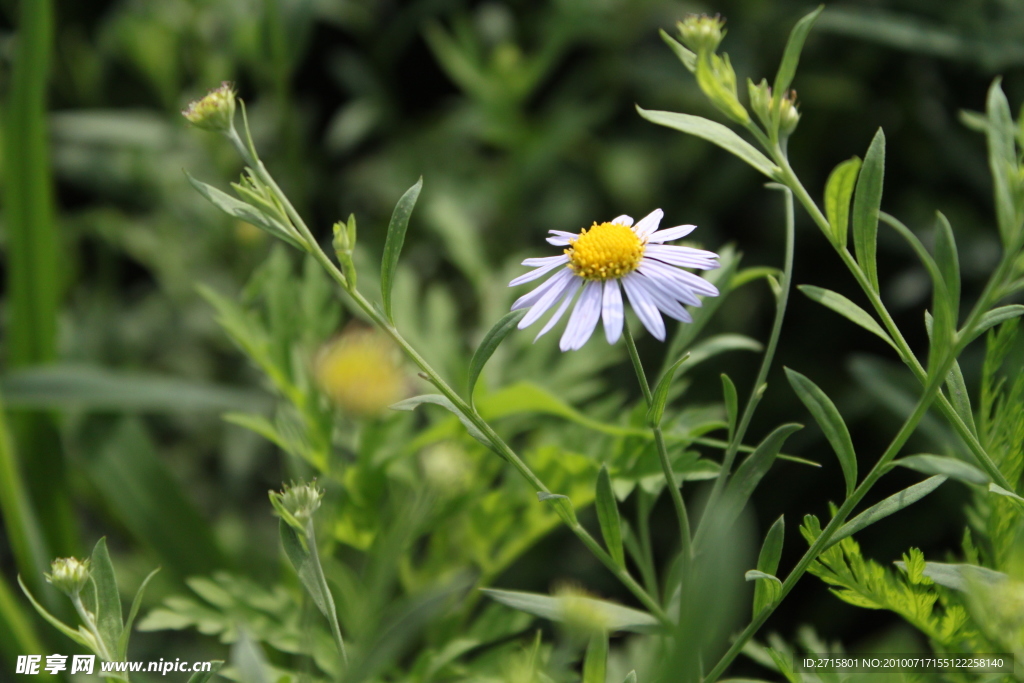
(601, 257)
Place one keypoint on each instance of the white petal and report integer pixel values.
(669, 234)
(611, 311)
(539, 272)
(682, 256)
(648, 223)
(645, 308)
(574, 287)
(583, 319)
(546, 302)
(664, 301)
(667, 278)
(561, 238)
(543, 261)
(530, 298)
(623, 220)
(699, 284)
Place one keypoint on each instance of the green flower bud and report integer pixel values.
(69, 575)
(297, 503)
(701, 33)
(717, 79)
(582, 615)
(761, 100)
(789, 116)
(215, 112)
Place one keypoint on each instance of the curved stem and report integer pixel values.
(659, 440)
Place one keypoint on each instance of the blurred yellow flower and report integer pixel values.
(360, 373)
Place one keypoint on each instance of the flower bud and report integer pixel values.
(215, 112)
(761, 100)
(360, 373)
(701, 33)
(789, 116)
(297, 503)
(717, 79)
(582, 615)
(69, 575)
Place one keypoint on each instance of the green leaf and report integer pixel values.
(846, 308)
(731, 400)
(307, 565)
(996, 316)
(394, 241)
(948, 261)
(716, 133)
(608, 516)
(615, 617)
(248, 659)
(945, 465)
(766, 590)
(688, 58)
(630, 677)
(1002, 159)
(748, 475)
(960, 577)
(108, 599)
(205, 676)
(867, 200)
(768, 564)
(80, 636)
(959, 397)
(595, 663)
(490, 342)
(893, 503)
(126, 632)
(439, 400)
(660, 394)
(236, 208)
(791, 56)
(995, 488)
(831, 422)
(562, 504)
(838, 193)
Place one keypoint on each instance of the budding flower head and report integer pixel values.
(215, 112)
(701, 33)
(760, 100)
(582, 615)
(789, 116)
(297, 503)
(360, 373)
(69, 574)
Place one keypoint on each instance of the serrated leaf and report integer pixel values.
(488, 344)
(748, 475)
(838, 193)
(608, 517)
(941, 464)
(394, 241)
(108, 599)
(615, 617)
(791, 55)
(731, 400)
(716, 133)
(831, 422)
(890, 505)
(439, 400)
(768, 563)
(236, 208)
(126, 632)
(867, 200)
(846, 308)
(660, 394)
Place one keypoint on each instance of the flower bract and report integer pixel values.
(605, 259)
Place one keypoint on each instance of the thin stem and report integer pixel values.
(781, 302)
(659, 440)
(332, 614)
(90, 623)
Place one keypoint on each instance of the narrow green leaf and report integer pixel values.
(995, 488)
(82, 638)
(562, 504)
(867, 200)
(126, 632)
(838, 193)
(236, 208)
(893, 503)
(394, 241)
(831, 422)
(748, 475)
(595, 663)
(630, 677)
(490, 342)
(996, 316)
(768, 563)
(959, 397)
(960, 577)
(716, 133)
(108, 599)
(688, 58)
(615, 617)
(439, 400)
(846, 308)
(205, 676)
(608, 516)
(731, 400)
(660, 394)
(791, 56)
(1002, 159)
(948, 261)
(945, 465)
(248, 659)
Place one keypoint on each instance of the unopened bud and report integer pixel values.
(215, 112)
(701, 33)
(69, 575)
(297, 503)
(717, 79)
(761, 100)
(789, 116)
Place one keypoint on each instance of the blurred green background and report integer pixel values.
(520, 117)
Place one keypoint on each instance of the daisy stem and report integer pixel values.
(659, 440)
(496, 442)
(781, 301)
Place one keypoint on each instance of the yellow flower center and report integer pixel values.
(605, 251)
